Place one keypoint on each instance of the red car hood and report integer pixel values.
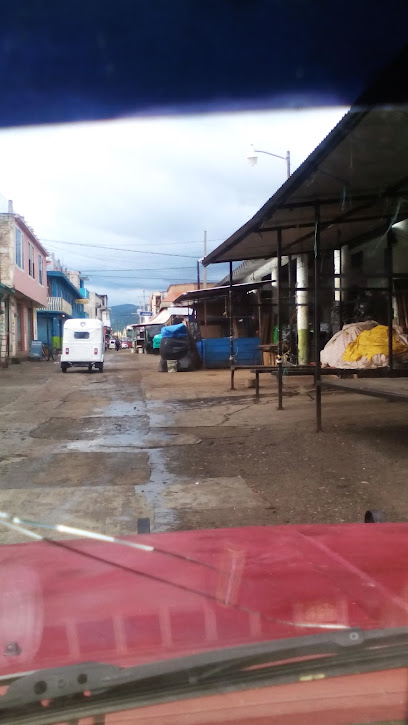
(109, 603)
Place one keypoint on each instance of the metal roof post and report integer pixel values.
(390, 311)
(317, 259)
(291, 304)
(279, 288)
(231, 327)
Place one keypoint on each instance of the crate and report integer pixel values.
(268, 358)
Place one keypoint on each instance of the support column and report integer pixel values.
(231, 327)
(302, 308)
(390, 310)
(337, 271)
(316, 325)
(345, 267)
(206, 336)
(259, 304)
(290, 304)
(279, 290)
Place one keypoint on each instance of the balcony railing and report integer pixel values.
(57, 304)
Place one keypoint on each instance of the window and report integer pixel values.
(19, 248)
(81, 335)
(41, 269)
(31, 257)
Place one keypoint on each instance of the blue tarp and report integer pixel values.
(215, 352)
(174, 331)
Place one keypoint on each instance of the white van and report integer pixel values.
(83, 344)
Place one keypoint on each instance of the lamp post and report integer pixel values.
(302, 306)
(253, 158)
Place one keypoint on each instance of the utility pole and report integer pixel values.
(205, 268)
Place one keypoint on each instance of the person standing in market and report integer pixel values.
(117, 344)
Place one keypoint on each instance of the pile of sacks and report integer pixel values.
(364, 345)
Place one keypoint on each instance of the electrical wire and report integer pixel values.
(193, 241)
(133, 269)
(123, 249)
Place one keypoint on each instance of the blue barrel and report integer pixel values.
(36, 350)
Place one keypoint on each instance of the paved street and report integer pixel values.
(86, 450)
(99, 451)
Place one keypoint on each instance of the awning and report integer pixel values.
(164, 316)
(214, 292)
(8, 290)
(357, 178)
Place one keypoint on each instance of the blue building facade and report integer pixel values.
(62, 305)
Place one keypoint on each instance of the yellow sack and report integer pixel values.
(373, 342)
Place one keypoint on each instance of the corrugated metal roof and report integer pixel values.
(358, 178)
(164, 316)
(213, 292)
(243, 270)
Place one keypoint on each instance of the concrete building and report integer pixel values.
(175, 290)
(23, 284)
(155, 303)
(64, 301)
(78, 280)
(98, 309)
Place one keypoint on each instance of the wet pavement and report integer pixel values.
(88, 450)
(100, 451)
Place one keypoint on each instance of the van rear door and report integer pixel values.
(77, 345)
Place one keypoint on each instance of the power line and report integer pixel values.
(135, 269)
(151, 279)
(192, 241)
(122, 249)
(134, 251)
(138, 275)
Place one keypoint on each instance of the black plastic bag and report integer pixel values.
(185, 364)
(174, 348)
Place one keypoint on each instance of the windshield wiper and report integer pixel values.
(90, 689)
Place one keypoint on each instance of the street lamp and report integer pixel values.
(252, 157)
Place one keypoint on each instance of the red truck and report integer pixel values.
(286, 624)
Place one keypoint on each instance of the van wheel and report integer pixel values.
(101, 367)
(64, 368)
(89, 368)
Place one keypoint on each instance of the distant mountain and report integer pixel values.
(123, 315)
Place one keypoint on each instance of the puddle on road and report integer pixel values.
(119, 408)
(130, 441)
(123, 427)
(164, 519)
(200, 403)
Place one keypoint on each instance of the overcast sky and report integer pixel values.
(93, 191)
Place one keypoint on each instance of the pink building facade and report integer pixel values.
(23, 284)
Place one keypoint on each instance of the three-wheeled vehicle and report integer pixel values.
(83, 344)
